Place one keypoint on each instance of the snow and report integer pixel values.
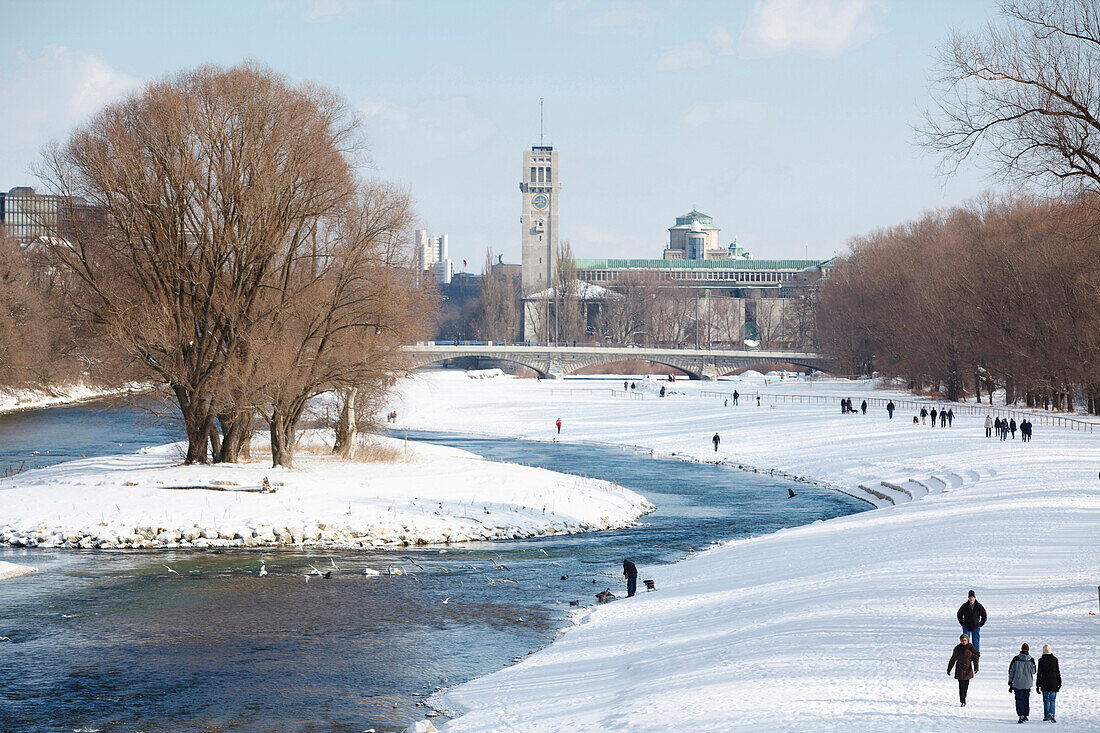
(427, 494)
(13, 570)
(840, 625)
(14, 400)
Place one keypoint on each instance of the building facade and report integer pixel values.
(27, 215)
(432, 257)
(540, 185)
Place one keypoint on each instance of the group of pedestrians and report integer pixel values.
(946, 417)
(846, 406)
(1002, 427)
(1022, 670)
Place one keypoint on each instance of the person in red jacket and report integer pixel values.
(558, 423)
(965, 661)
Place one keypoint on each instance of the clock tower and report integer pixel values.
(539, 218)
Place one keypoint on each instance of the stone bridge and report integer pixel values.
(557, 361)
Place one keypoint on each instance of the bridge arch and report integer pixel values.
(442, 360)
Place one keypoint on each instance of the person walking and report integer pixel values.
(1012, 427)
(1048, 681)
(716, 440)
(988, 426)
(943, 418)
(758, 399)
(558, 423)
(736, 394)
(626, 385)
(1021, 676)
(843, 405)
(934, 413)
(630, 572)
(863, 407)
(950, 416)
(662, 390)
(1004, 429)
(924, 415)
(965, 661)
(890, 409)
(972, 618)
(1030, 426)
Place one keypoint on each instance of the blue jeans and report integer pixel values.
(973, 634)
(1023, 701)
(631, 585)
(1048, 703)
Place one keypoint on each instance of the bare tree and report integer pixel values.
(1024, 95)
(213, 183)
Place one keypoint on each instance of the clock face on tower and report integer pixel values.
(540, 202)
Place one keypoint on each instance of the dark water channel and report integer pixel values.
(112, 641)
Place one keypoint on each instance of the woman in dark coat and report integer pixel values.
(965, 661)
(1048, 681)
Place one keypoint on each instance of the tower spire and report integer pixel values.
(540, 121)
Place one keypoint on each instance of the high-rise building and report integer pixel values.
(432, 256)
(540, 185)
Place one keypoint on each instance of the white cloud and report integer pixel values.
(697, 54)
(691, 55)
(433, 129)
(320, 10)
(818, 27)
(46, 96)
(618, 17)
(733, 110)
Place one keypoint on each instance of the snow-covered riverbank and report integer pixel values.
(845, 624)
(13, 570)
(425, 494)
(67, 394)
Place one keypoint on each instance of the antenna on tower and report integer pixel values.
(540, 122)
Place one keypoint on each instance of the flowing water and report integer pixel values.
(114, 641)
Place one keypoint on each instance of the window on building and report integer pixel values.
(548, 175)
(532, 174)
(542, 178)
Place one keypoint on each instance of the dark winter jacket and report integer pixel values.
(1021, 672)
(971, 617)
(630, 570)
(1048, 679)
(965, 661)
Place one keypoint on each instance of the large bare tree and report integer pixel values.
(229, 197)
(1024, 94)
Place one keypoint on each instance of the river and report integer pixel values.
(114, 641)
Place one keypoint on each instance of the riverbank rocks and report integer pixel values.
(445, 530)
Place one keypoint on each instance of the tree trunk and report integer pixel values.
(346, 429)
(194, 423)
(281, 426)
(215, 439)
(978, 387)
(236, 435)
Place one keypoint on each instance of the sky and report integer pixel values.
(790, 122)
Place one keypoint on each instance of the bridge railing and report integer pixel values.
(960, 408)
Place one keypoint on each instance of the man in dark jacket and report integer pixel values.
(1021, 676)
(972, 617)
(965, 661)
(716, 440)
(950, 416)
(630, 572)
(934, 413)
(1012, 427)
(890, 409)
(1048, 682)
(863, 407)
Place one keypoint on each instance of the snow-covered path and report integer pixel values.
(845, 624)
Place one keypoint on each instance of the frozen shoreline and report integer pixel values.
(19, 400)
(839, 624)
(430, 495)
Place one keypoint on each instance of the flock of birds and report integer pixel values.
(326, 573)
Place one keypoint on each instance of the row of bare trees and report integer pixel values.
(240, 261)
(1004, 293)
(37, 341)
